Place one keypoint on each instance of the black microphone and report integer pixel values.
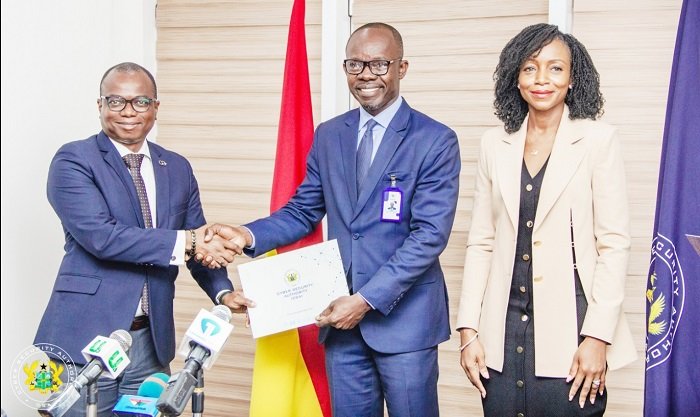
(205, 337)
(103, 353)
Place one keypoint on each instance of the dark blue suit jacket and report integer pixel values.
(394, 266)
(108, 253)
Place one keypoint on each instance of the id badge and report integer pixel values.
(391, 203)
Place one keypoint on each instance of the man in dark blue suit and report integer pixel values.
(390, 204)
(126, 230)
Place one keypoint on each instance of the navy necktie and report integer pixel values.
(133, 161)
(364, 154)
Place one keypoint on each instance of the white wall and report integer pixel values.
(335, 97)
(53, 56)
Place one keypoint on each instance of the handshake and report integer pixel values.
(216, 245)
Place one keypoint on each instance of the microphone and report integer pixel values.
(102, 353)
(154, 385)
(143, 404)
(201, 346)
(209, 330)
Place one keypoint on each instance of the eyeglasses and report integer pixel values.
(118, 103)
(376, 67)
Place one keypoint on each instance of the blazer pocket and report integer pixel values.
(402, 177)
(78, 283)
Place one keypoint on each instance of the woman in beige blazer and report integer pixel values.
(540, 314)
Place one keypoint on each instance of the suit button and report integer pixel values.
(519, 349)
(524, 317)
(528, 187)
(519, 383)
(529, 223)
(526, 257)
(521, 415)
(522, 289)
(355, 236)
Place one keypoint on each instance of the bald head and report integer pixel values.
(129, 67)
(381, 26)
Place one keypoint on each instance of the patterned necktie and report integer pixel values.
(364, 154)
(133, 161)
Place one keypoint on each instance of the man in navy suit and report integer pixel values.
(381, 341)
(118, 241)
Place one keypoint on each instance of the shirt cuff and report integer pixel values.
(368, 303)
(220, 295)
(252, 245)
(178, 256)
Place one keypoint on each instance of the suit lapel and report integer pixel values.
(113, 159)
(162, 178)
(348, 149)
(393, 136)
(563, 163)
(510, 163)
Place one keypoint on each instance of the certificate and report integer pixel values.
(291, 289)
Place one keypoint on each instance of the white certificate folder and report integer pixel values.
(291, 289)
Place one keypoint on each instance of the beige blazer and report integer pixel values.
(585, 184)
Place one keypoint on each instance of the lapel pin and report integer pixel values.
(162, 163)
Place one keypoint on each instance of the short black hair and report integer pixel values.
(379, 25)
(130, 67)
(584, 99)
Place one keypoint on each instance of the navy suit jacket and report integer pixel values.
(109, 255)
(394, 266)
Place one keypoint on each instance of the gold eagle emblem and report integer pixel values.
(657, 307)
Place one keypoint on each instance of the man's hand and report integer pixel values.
(220, 251)
(237, 301)
(238, 238)
(344, 312)
(237, 234)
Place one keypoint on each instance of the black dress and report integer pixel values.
(516, 391)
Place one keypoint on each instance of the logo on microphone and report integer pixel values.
(209, 327)
(110, 351)
(39, 371)
(137, 402)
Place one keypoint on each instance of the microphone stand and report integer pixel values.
(91, 399)
(198, 395)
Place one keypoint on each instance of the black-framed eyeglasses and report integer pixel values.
(140, 104)
(376, 67)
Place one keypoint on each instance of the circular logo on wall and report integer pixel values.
(39, 371)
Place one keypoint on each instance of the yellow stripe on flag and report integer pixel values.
(279, 364)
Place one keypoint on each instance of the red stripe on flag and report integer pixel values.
(315, 359)
(296, 125)
(294, 139)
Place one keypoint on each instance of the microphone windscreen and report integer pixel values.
(123, 337)
(222, 312)
(154, 385)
